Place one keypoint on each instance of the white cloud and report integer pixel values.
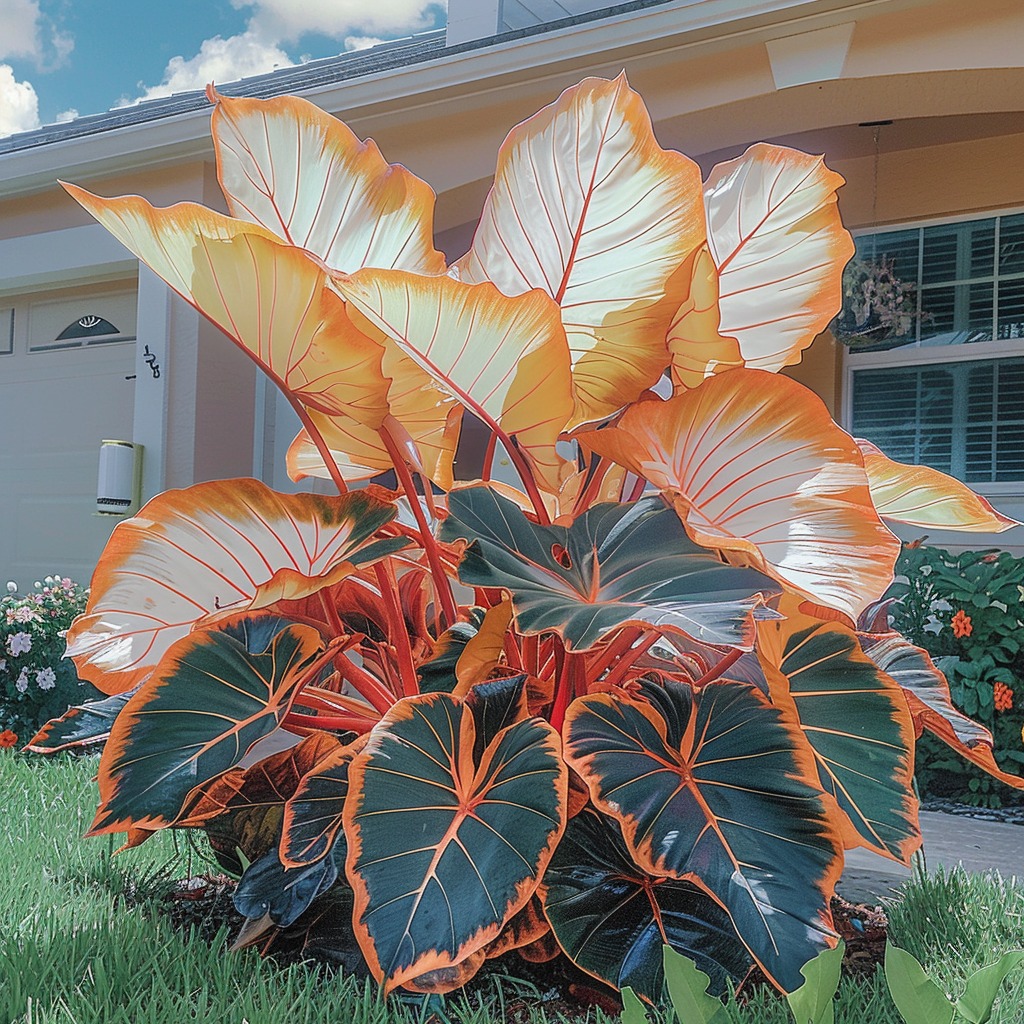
(19, 104)
(361, 42)
(257, 50)
(219, 60)
(289, 19)
(66, 115)
(26, 32)
(19, 28)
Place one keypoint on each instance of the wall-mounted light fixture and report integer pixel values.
(118, 486)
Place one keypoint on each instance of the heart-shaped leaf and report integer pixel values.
(756, 468)
(213, 695)
(190, 554)
(450, 826)
(719, 786)
(780, 247)
(617, 565)
(286, 165)
(856, 719)
(588, 207)
(612, 918)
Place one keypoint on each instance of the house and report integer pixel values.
(918, 103)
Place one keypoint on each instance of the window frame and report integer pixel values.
(923, 355)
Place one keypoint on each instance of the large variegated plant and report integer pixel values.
(631, 698)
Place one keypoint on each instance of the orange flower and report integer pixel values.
(1003, 697)
(8, 738)
(962, 624)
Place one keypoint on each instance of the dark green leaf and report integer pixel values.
(80, 726)
(447, 845)
(856, 720)
(722, 786)
(617, 564)
(213, 695)
(269, 888)
(612, 919)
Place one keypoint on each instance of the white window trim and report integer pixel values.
(918, 355)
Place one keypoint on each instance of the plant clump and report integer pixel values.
(631, 692)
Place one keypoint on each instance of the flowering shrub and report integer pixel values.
(965, 610)
(35, 683)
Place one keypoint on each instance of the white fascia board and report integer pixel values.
(684, 25)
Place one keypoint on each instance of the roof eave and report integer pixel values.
(692, 25)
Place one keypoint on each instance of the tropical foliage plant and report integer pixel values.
(631, 697)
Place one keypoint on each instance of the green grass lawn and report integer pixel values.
(82, 942)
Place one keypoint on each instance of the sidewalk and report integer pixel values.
(949, 839)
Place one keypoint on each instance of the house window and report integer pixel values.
(949, 392)
(6, 331)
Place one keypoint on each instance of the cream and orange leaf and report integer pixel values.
(777, 240)
(922, 496)
(270, 298)
(588, 207)
(505, 359)
(285, 164)
(695, 344)
(757, 469)
(191, 554)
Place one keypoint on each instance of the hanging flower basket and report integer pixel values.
(879, 310)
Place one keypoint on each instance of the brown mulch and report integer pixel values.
(203, 905)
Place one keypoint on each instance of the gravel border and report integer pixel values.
(1013, 815)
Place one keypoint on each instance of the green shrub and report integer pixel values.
(965, 610)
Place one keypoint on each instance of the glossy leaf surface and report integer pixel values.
(285, 164)
(505, 359)
(612, 918)
(449, 826)
(281, 893)
(756, 468)
(270, 298)
(780, 247)
(857, 722)
(922, 496)
(617, 564)
(193, 553)
(588, 207)
(931, 704)
(214, 694)
(79, 726)
(718, 786)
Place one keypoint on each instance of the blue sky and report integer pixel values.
(59, 58)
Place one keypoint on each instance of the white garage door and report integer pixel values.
(63, 388)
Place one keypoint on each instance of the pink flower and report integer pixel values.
(22, 682)
(46, 679)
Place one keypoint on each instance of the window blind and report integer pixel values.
(964, 418)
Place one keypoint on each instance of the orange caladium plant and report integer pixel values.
(631, 695)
